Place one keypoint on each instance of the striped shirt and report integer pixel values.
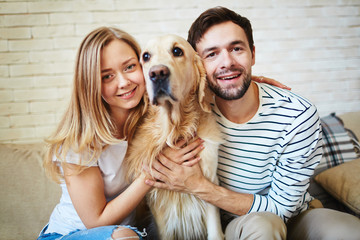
(273, 155)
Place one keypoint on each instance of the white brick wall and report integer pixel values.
(312, 46)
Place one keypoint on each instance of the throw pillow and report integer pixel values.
(338, 148)
(342, 182)
(337, 145)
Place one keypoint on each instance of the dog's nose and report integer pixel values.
(159, 72)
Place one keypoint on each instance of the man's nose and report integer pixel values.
(227, 59)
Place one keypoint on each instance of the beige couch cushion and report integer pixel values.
(27, 195)
(342, 182)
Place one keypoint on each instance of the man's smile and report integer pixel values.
(229, 77)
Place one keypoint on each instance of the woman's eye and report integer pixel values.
(177, 52)
(146, 57)
(130, 67)
(107, 78)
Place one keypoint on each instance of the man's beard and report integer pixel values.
(232, 93)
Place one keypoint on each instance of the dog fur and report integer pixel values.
(179, 107)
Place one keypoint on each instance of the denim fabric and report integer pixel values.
(99, 233)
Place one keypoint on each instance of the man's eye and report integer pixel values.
(146, 57)
(236, 49)
(210, 55)
(177, 52)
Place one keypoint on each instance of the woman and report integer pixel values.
(87, 150)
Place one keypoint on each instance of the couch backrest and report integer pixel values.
(27, 196)
(352, 121)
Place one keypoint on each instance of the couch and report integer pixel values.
(28, 196)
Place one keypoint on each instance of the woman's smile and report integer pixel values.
(128, 94)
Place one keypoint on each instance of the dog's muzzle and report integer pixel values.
(160, 79)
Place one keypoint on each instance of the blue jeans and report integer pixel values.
(99, 233)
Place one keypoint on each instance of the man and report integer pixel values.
(272, 145)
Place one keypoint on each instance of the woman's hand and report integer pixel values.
(261, 79)
(184, 154)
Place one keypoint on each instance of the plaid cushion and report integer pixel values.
(338, 146)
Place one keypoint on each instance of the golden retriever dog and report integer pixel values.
(179, 107)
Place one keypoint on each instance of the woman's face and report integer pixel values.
(122, 85)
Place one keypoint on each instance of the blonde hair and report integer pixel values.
(87, 127)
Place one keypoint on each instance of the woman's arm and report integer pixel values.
(261, 79)
(86, 190)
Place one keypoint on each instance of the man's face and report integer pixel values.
(228, 59)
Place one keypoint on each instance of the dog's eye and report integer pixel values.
(177, 52)
(146, 57)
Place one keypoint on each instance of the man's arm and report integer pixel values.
(187, 179)
(286, 194)
(290, 179)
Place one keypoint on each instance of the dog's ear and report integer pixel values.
(205, 95)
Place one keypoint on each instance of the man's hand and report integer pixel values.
(185, 154)
(172, 176)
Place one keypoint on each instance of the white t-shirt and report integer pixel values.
(64, 218)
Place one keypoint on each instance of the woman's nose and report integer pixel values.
(122, 81)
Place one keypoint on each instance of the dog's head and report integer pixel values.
(173, 70)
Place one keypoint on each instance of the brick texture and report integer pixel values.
(312, 46)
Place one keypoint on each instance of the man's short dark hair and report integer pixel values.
(214, 16)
